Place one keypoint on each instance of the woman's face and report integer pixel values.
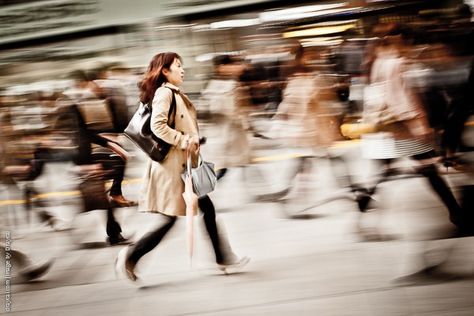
(175, 75)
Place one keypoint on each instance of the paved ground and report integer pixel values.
(316, 265)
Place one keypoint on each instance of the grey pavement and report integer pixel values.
(312, 266)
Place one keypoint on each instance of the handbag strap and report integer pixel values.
(189, 162)
(172, 110)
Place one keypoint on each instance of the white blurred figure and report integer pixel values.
(227, 103)
(307, 121)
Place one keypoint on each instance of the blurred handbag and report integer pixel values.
(376, 110)
(203, 176)
(93, 193)
(96, 114)
(139, 131)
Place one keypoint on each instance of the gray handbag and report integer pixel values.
(203, 176)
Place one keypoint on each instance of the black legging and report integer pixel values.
(149, 241)
(113, 228)
(115, 170)
(436, 181)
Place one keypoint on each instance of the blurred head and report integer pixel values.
(228, 66)
(80, 77)
(394, 38)
(164, 67)
(303, 58)
(221, 60)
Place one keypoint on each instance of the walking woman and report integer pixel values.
(408, 125)
(163, 186)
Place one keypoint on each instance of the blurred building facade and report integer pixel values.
(44, 40)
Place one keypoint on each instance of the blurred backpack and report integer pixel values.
(96, 114)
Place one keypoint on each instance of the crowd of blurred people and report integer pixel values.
(417, 101)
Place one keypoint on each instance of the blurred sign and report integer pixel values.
(52, 17)
(183, 3)
(40, 17)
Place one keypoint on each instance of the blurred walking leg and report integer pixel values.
(149, 241)
(225, 257)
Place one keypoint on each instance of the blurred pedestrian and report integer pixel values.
(96, 114)
(98, 157)
(228, 104)
(407, 124)
(308, 118)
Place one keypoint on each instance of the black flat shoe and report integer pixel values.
(119, 240)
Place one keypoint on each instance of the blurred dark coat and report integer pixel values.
(309, 114)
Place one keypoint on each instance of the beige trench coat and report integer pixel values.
(308, 114)
(412, 121)
(162, 184)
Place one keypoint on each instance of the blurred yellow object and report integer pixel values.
(355, 130)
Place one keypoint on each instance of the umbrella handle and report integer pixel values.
(188, 163)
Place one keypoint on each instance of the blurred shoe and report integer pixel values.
(271, 197)
(119, 240)
(364, 200)
(369, 234)
(123, 266)
(258, 135)
(234, 266)
(58, 225)
(120, 201)
(457, 164)
(35, 271)
(220, 173)
(464, 231)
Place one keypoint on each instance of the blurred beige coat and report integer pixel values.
(162, 184)
(227, 103)
(401, 101)
(308, 114)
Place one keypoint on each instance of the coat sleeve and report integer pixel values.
(159, 118)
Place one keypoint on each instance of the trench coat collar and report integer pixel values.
(181, 93)
(172, 87)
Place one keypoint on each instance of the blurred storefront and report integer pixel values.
(46, 39)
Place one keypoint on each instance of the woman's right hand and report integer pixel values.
(191, 144)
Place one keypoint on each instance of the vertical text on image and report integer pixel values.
(8, 270)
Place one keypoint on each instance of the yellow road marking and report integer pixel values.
(278, 157)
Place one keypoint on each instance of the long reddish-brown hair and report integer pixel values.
(154, 76)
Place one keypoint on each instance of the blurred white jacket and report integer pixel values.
(226, 102)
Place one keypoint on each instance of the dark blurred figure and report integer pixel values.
(449, 96)
(97, 115)
(460, 107)
(106, 87)
(264, 82)
(99, 157)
